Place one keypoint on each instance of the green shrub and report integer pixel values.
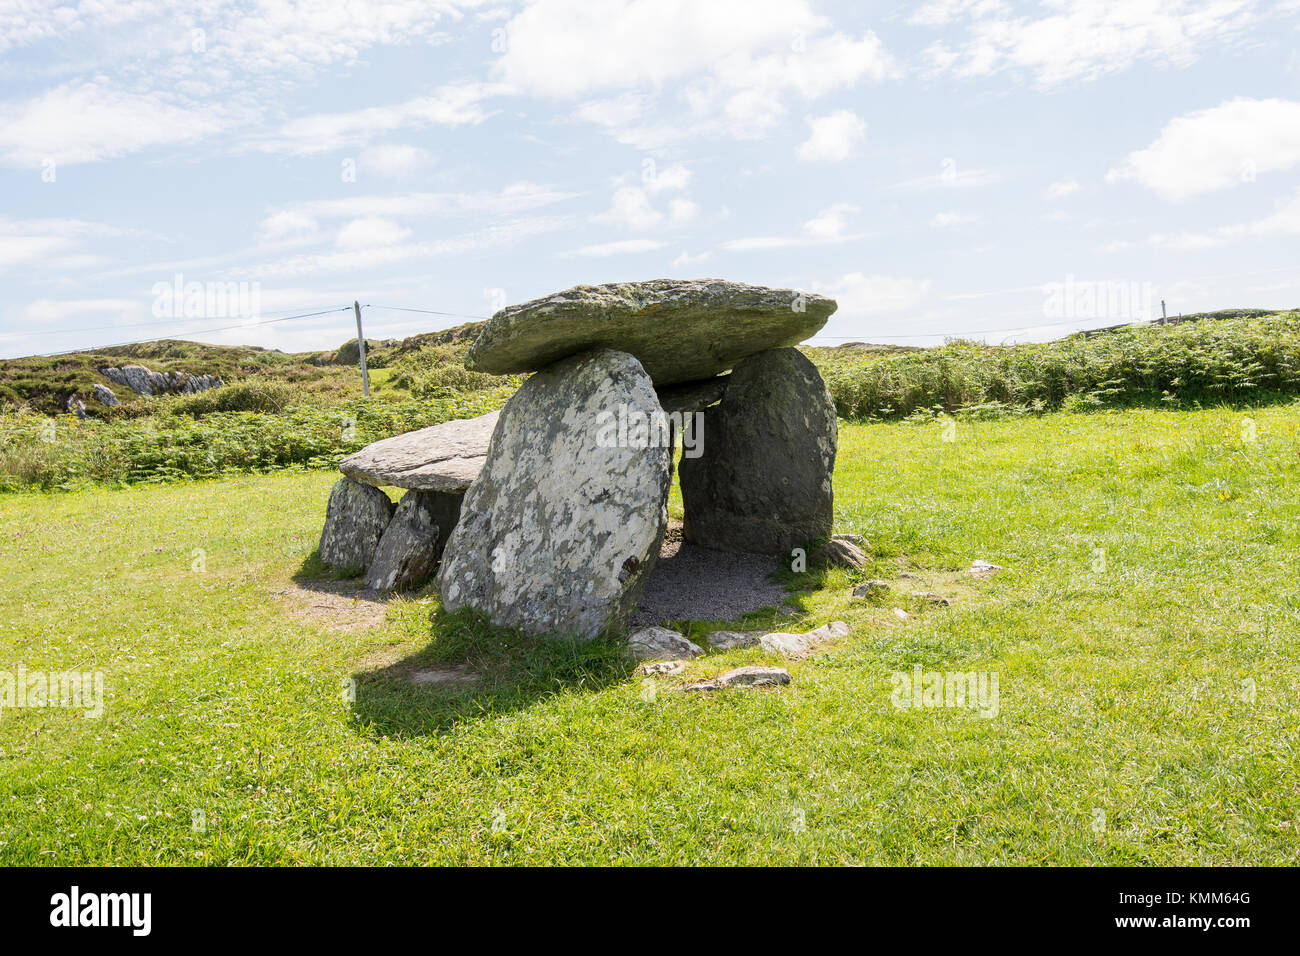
(250, 395)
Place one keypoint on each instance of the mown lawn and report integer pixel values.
(1143, 634)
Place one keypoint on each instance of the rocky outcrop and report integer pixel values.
(144, 381)
(680, 330)
(562, 526)
(763, 480)
(105, 396)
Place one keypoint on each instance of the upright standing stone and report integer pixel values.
(409, 548)
(354, 522)
(763, 480)
(561, 528)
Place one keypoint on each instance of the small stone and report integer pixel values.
(908, 576)
(931, 598)
(751, 676)
(840, 553)
(661, 644)
(754, 676)
(983, 569)
(355, 520)
(663, 668)
(901, 614)
(791, 644)
(870, 589)
(104, 395)
(76, 406)
(726, 640)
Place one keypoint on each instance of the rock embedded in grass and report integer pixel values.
(839, 552)
(793, 644)
(561, 528)
(763, 480)
(751, 676)
(870, 589)
(680, 330)
(355, 520)
(661, 644)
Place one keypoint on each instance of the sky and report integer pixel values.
(956, 168)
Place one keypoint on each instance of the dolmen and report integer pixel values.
(548, 517)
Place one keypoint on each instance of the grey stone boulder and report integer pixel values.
(751, 676)
(408, 549)
(792, 645)
(839, 552)
(870, 589)
(446, 457)
(104, 395)
(561, 528)
(355, 520)
(680, 330)
(763, 480)
(726, 640)
(660, 644)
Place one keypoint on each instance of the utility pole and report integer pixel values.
(361, 349)
(1164, 316)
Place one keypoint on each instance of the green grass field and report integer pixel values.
(1143, 634)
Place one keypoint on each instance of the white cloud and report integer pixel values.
(1217, 148)
(394, 161)
(622, 247)
(946, 220)
(86, 122)
(833, 137)
(1082, 39)
(370, 232)
(511, 200)
(453, 105)
(55, 310)
(859, 294)
(831, 222)
(950, 177)
(1283, 222)
(731, 63)
(1064, 187)
(631, 206)
(684, 258)
(289, 222)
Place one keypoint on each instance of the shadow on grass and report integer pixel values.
(473, 670)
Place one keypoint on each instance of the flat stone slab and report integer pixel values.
(680, 330)
(446, 457)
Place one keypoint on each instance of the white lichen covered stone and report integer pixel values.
(679, 329)
(561, 528)
(355, 520)
(444, 457)
(661, 644)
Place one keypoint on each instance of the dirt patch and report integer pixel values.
(338, 605)
(693, 583)
(444, 675)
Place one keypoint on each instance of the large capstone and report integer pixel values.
(562, 526)
(762, 481)
(444, 457)
(354, 522)
(408, 550)
(680, 330)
